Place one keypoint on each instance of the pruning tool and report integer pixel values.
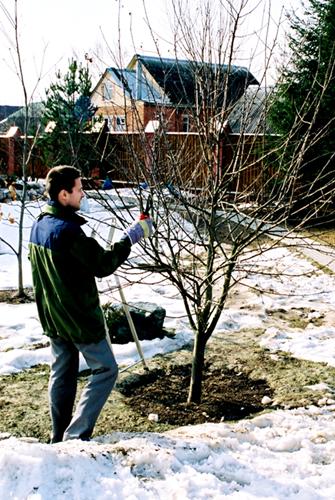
(145, 212)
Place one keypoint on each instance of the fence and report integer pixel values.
(173, 157)
(11, 153)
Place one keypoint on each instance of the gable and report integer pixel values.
(115, 84)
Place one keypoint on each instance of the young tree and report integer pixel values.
(27, 147)
(68, 115)
(305, 98)
(204, 228)
(218, 199)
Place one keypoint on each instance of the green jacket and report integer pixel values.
(64, 264)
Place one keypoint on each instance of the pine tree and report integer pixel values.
(68, 108)
(304, 105)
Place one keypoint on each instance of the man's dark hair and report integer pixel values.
(61, 177)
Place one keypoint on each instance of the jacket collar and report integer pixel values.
(57, 210)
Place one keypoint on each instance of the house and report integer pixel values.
(17, 118)
(6, 110)
(154, 89)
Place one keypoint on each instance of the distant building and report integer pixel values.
(6, 110)
(153, 89)
(17, 118)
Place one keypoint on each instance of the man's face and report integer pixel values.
(74, 198)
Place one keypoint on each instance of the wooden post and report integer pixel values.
(11, 135)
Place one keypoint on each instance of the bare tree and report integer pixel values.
(219, 198)
(27, 147)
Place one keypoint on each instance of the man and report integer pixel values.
(64, 265)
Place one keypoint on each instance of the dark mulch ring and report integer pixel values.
(226, 395)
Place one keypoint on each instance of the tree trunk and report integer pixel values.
(198, 358)
(20, 291)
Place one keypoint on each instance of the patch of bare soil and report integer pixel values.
(238, 374)
(162, 391)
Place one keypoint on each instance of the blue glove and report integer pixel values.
(142, 228)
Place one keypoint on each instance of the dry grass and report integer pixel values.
(326, 236)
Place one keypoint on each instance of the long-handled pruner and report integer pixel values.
(126, 307)
(145, 212)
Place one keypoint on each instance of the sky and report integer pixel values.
(281, 454)
(51, 33)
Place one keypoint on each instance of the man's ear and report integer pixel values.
(63, 197)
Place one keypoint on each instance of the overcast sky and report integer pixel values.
(52, 32)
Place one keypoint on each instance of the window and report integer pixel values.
(120, 122)
(186, 123)
(108, 121)
(115, 122)
(107, 91)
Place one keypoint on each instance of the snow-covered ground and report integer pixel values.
(282, 454)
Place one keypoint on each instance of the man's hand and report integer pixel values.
(141, 228)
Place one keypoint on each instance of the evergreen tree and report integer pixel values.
(303, 110)
(68, 112)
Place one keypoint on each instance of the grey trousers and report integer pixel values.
(63, 387)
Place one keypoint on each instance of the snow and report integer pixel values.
(283, 454)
